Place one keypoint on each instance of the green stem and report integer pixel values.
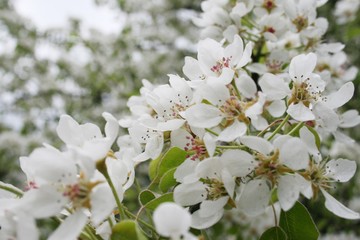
(110, 222)
(284, 121)
(130, 214)
(275, 217)
(297, 127)
(211, 131)
(230, 147)
(15, 191)
(148, 214)
(89, 231)
(269, 126)
(236, 89)
(204, 234)
(116, 196)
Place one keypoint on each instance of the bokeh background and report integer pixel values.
(85, 57)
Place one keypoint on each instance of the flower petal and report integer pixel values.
(208, 207)
(254, 197)
(238, 162)
(338, 208)
(171, 220)
(198, 222)
(302, 65)
(340, 97)
(294, 154)
(257, 143)
(190, 194)
(246, 57)
(246, 86)
(203, 116)
(300, 112)
(289, 188)
(232, 132)
(342, 170)
(71, 227)
(274, 87)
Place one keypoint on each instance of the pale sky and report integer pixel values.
(47, 14)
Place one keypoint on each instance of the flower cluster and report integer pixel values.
(249, 117)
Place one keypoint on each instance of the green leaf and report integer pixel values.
(146, 196)
(298, 224)
(316, 135)
(127, 230)
(172, 159)
(274, 233)
(153, 204)
(167, 180)
(153, 167)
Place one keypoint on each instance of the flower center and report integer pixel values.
(269, 29)
(300, 23)
(305, 92)
(79, 193)
(274, 66)
(224, 62)
(196, 148)
(269, 5)
(215, 188)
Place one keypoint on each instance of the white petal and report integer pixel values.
(246, 86)
(171, 220)
(277, 108)
(210, 143)
(300, 112)
(71, 227)
(185, 172)
(235, 49)
(190, 194)
(48, 165)
(257, 143)
(302, 65)
(349, 119)
(198, 222)
(69, 131)
(43, 202)
(258, 68)
(254, 197)
(289, 188)
(111, 127)
(226, 76)
(341, 170)
(308, 138)
(326, 117)
(342, 96)
(208, 207)
(154, 146)
(209, 52)
(26, 227)
(246, 57)
(232, 132)
(294, 154)
(343, 138)
(102, 203)
(209, 168)
(203, 116)
(238, 162)
(274, 87)
(338, 208)
(228, 181)
(259, 122)
(170, 125)
(192, 69)
(216, 93)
